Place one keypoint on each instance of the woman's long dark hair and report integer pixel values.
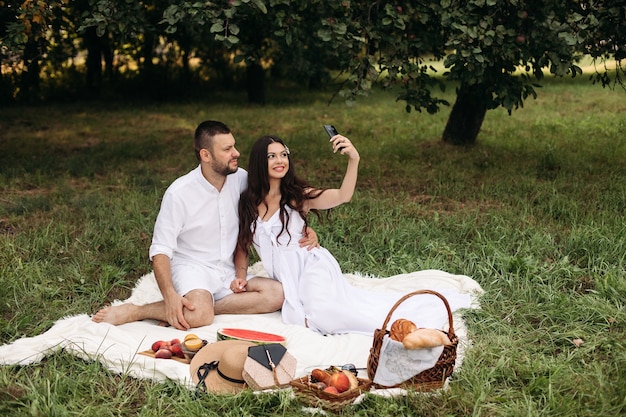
(292, 192)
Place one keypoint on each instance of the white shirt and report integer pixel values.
(197, 222)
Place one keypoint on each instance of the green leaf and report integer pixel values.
(217, 27)
(261, 6)
(340, 28)
(324, 34)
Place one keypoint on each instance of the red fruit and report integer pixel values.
(340, 381)
(157, 345)
(163, 354)
(177, 350)
(175, 342)
(331, 390)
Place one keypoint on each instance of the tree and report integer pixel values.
(258, 34)
(495, 51)
(484, 44)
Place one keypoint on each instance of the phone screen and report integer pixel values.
(330, 129)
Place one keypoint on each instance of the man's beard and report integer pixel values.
(222, 169)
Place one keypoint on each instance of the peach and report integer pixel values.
(177, 350)
(163, 354)
(340, 381)
(331, 390)
(157, 345)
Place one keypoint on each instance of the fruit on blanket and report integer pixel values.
(340, 381)
(157, 345)
(190, 336)
(354, 382)
(193, 344)
(321, 375)
(163, 354)
(177, 350)
(425, 338)
(175, 341)
(400, 328)
(331, 390)
(249, 336)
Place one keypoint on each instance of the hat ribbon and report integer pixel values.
(203, 372)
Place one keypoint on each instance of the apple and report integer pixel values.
(340, 381)
(163, 354)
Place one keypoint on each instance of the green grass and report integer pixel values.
(535, 212)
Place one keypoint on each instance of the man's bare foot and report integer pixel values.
(115, 315)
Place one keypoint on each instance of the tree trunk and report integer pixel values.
(255, 83)
(30, 78)
(467, 116)
(93, 61)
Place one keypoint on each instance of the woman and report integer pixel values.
(272, 216)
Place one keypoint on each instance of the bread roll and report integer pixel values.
(425, 338)
(400, 328)
(321, 375)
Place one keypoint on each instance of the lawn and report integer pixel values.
(535, 212)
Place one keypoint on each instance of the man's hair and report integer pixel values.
(203, 138)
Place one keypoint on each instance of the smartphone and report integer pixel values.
(330, 129)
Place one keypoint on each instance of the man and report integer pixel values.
(194, 240)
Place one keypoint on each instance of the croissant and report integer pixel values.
(321, 375)
(400, 328)
(425, 338)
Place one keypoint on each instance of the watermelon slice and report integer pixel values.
(249, 336)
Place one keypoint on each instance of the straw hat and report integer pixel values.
(222, 363)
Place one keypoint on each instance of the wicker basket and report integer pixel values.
(315, 397)
(428, 379)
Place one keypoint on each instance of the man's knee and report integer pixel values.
(272, 293)
(203, 313)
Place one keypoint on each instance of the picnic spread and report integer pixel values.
(130, 348)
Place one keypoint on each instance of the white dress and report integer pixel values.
(319, 297)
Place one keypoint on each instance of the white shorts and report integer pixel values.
(188, 276)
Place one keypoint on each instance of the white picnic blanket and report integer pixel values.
(118, 347)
